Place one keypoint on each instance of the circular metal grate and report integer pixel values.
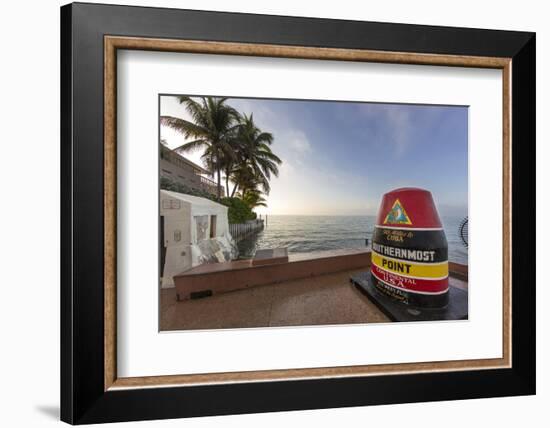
(463, 231)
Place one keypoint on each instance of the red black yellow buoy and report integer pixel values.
(409, 249)
(409, 273)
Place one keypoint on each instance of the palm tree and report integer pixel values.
(213, 128)
(243, 177)
(253, 198)
(256, 163)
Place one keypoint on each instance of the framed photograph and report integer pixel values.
(266, 213)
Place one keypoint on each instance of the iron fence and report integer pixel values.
(242, 230)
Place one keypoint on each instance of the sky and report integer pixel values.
(339, 158)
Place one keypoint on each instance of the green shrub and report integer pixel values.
(167, 184)
(238, 211)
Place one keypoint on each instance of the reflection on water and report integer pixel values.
(305, 234)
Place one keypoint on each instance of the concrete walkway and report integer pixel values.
(322, 300)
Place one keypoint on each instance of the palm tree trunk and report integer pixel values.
(234, 190)
(226, 184)
(219, 183)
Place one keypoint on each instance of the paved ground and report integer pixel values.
(326, 299)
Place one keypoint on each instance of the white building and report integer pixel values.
(193, 231)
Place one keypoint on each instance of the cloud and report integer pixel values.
(397, 124)
(297, 141)
(303, 188)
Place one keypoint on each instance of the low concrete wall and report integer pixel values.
(458, 271)
(222, 277)
(209, 279)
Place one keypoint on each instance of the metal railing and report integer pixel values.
(210, 186)
(242, 230)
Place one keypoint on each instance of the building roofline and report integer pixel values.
(187, 161)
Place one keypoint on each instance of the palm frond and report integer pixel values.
(188, 129)
(192, 145)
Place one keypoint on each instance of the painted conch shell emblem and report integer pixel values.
(397, 214)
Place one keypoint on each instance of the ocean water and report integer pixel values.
(305, 234)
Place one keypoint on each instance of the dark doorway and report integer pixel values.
(162, 249)
(213, 226)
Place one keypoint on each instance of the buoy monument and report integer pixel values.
(409, 249)
(409, 272)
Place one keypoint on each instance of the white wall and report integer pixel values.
(30, 131)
